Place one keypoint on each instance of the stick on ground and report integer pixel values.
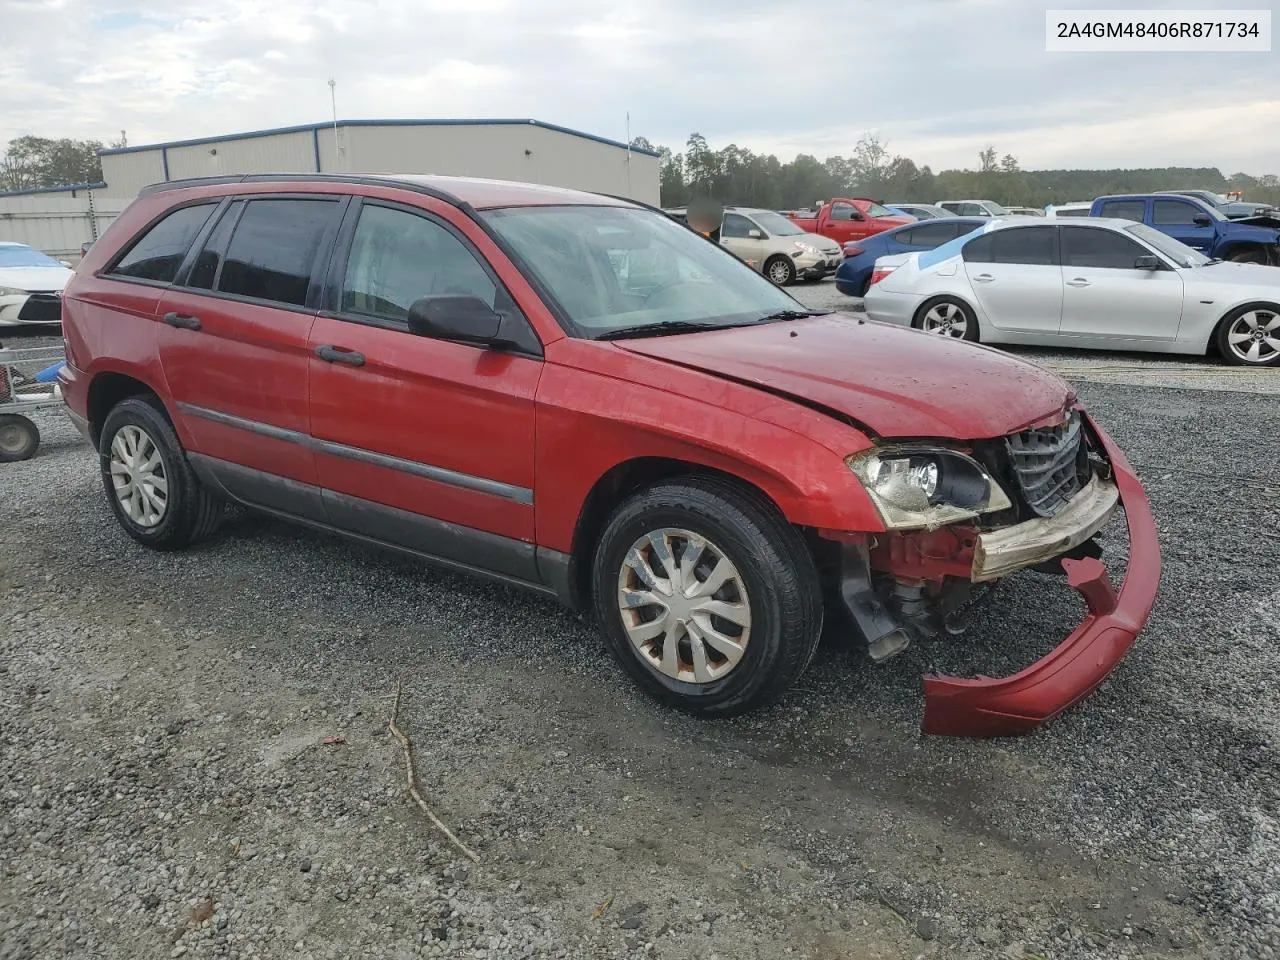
(412, 778)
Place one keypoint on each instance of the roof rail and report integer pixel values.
(362, 179)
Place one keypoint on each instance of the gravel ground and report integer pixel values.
(165, 788)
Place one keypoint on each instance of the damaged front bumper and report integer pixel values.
(987, 706)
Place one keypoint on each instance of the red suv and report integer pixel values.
(576, 394)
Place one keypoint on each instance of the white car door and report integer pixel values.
(1016, 279)
(736, 234)
(1106, 296)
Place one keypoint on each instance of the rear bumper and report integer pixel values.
(887, 307)
(74, 388)
(987, 706)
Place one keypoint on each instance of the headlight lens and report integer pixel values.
(12, 292)
(926, 487)
(805, 247)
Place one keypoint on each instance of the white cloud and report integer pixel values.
(938, 80)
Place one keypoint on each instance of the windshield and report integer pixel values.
(20, 255)
(877, 210)
(996, 209)
(777, 224)
(1179, 253)
(613, 267)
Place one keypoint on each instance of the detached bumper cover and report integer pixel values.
(987, 706)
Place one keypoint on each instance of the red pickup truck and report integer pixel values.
(847, 219)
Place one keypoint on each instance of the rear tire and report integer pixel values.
(149, 483)
(1249, 336)
(947, 316)
(766, 612)
(19, 438)
(780, 270)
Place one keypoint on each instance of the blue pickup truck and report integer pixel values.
(1198, 225)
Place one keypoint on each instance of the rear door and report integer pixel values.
(422, 442)
(1016, 279)
(1105, 297)
(1177, 218)
(234, 347)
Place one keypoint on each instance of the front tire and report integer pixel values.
(1250, 336)
(1249, 255)
(948, 317)
(707, 597)
(150, 486)
(780, 270)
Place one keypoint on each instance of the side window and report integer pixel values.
(904, 237)
(1175, 213)
(273, 249)
(399, 257)
(736, 226)
(1090, 247)
(159, 253)
(204, 272)
(841, 211)
(932, 234)
(1124, 209)
(1033, 246)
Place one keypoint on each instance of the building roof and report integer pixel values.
(315, 127)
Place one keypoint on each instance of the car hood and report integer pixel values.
(35, 279)
(892, 381)
(1234, 275)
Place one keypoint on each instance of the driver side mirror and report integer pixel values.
(1147, 263)
(465, 318)
(1201, 220)
(755, 234)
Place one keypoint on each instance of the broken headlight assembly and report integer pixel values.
(926, 487)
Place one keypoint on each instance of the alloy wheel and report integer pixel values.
(1254, 337)
(779, 272)
(684, 605)
(138, 476)
(947, 319)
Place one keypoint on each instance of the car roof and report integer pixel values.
(476, 192)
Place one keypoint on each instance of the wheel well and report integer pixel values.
(620, 482)
(106, 390)
(1211, 348)
(774, 257)
(1247, 245)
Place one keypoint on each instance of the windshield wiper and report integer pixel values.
(790, 315)
(663, 328)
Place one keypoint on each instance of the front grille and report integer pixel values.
(1046, 462)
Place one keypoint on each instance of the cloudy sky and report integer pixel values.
(937, 79)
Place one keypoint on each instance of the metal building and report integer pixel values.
(524, 150)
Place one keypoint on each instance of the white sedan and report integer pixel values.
(1095, 283)
(30, 285)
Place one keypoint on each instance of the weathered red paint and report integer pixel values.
(987, 707)
(926, 554)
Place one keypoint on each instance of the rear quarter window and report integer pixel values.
(158, 253)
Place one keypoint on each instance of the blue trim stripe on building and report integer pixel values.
(164, 162)
(314, 129)
(315, 145)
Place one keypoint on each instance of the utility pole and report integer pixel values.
(333, 102)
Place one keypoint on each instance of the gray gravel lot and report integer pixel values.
(165, 789)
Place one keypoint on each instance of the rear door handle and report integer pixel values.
(332, 354)
(1078, 282)
(183, 320)
(984, 278)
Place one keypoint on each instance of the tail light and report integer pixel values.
(853, 251)
(879, 273)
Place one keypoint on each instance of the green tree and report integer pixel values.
(31, 162)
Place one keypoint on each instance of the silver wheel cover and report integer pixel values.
(1254, 337)
(779, 271)
(138, 477)
(947, 319)
(684, 606)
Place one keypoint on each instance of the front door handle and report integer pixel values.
(1078, 282)
(984, 278)
(183, 320)
(332, 354)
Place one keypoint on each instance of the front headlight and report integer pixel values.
(805, 247)
(12, 292)
(926, 487)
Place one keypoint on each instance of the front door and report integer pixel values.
(234, 346)
(1105, 296)
(1177, 218)
(1016, 279)
(736, 236)
(421, 442)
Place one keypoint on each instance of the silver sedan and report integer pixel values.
(1100, 284)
